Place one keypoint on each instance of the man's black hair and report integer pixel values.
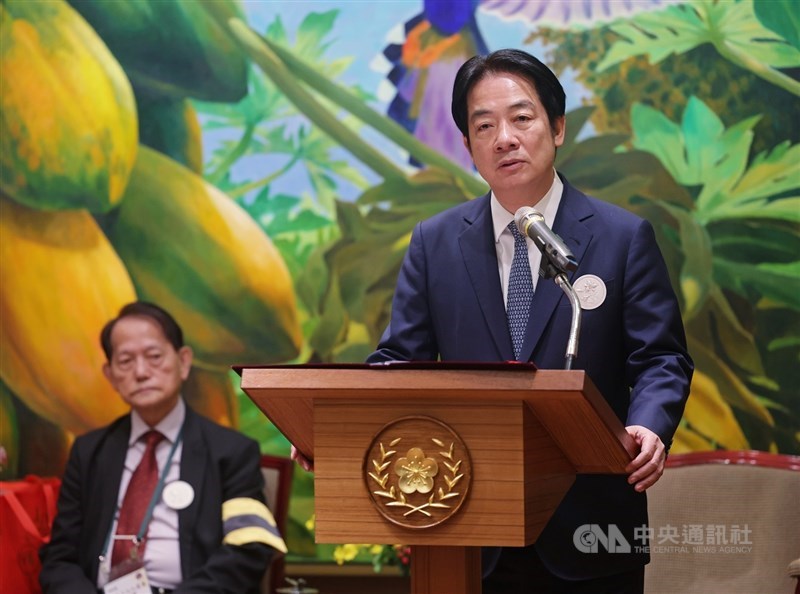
(508, 61)
(172, 331)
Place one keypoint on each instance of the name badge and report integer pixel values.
(135, 582)
(178, 495)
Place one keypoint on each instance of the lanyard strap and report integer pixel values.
(155, 497)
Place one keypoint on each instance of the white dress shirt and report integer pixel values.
(162, 558)
(504, 240)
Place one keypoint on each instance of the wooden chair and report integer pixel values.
(278, 472)
(726, 522)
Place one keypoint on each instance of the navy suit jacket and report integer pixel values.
(217, 462)
(448, 304)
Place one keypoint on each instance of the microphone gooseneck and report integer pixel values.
(556, 256)
(557, 260)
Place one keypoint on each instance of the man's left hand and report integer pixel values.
(648, 466)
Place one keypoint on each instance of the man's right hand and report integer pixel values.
(305, 463)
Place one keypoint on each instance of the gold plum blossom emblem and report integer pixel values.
(416, 472)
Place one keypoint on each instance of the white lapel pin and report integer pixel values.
(591, 291)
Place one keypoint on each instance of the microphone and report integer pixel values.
(556, 256)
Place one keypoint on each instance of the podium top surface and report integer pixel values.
(560, 399)
(510, 366)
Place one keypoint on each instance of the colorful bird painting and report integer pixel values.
(425, 54)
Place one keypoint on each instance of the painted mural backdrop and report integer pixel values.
(257, 168)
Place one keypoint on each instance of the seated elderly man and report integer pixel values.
(161, 500)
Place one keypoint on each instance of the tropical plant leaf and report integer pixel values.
(575, 121)
(732, 27)
(755, 240)
(701, 152)
(782, 209)
(709, 414)
(784, 342)
(312, 32)
(777, 281)
(732, 389)
(655, 133)
(276, 31)
(770, 174)
(782, 17)
(332, 323)
(687, 440)
(737, 343)
(696, 278)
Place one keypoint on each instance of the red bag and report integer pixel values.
(27, 509)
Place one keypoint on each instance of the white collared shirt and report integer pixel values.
(162, 555)
(504, 240)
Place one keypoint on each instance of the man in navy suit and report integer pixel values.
(210, 531)
(450, 304)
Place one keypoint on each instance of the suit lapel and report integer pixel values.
(570, 224)
(480, 258)
(110, 462)
(193, 468)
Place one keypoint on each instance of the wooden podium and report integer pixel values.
(444, 457)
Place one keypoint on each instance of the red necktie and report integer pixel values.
(137, 499)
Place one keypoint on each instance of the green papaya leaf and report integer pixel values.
(771, 173)
(710, 415)
(332, 324)
(700, 152)
(655, 133)
(658, 34)
(754, 241)
(314, 28)
(784, 342)
(781, 209)
(782, 17)
(736, 342)
(431, 189)
(696, 279)
(575, 121)
(731, 27)
(777, 281)
(732, 389)
(688, 440)
(312, 283)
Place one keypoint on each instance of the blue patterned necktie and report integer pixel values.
(520, 290)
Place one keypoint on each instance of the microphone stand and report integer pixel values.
(575, 326)
(548, 270)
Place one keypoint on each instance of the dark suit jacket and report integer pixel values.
(219, 463)
(449, 304)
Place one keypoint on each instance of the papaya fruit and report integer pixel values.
(171, 127)
(9, 435)
(194, 251)
(68, 124)
(46, 444)
(60, 282)
(177, 48)
(210, 393)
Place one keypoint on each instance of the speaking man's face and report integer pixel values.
(510, 138)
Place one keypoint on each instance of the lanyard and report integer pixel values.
(153, 500)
